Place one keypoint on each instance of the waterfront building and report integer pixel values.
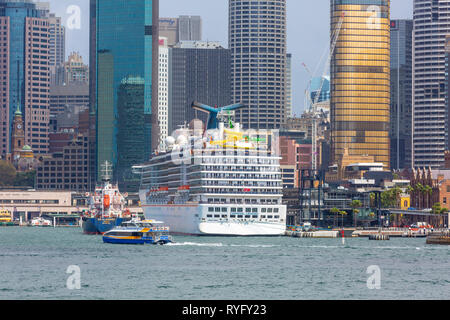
(296, 156)
(352, 167)
(67, 170)
(124, 48)
(25, 74)
(62, 203)
(258, 61)
(430, 111)
(360, 80)
(198, 71)
(401, 94)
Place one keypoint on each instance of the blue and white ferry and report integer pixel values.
(139, 232)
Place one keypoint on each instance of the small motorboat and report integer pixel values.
(40, 222)
(139, 232)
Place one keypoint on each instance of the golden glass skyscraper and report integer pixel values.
(360, 79)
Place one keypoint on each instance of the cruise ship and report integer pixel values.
(222, 181)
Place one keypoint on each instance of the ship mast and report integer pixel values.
(106, 177)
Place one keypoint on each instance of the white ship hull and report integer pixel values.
(189, 220)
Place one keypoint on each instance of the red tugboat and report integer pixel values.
(106, 207)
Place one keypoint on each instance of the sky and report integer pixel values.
(308, 30)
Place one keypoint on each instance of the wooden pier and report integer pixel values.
(326, 234)
(439, 238)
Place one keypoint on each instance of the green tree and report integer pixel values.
(439, 211)
(7, 174)
(343, 213)
(419, 189)
(335, 212)
(428, 192)
(25, 179)
(356, 204)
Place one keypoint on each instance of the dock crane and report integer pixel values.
(314, 109)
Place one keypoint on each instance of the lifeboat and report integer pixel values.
(106, 201)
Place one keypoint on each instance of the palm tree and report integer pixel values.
(419, 190)
(355, 205)
(343, 213)
(335, 211)
(428, 191)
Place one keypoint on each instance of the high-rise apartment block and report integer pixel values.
(430, 110)
(57, 41)
(360, 79)
(257, 40)
(24, 73)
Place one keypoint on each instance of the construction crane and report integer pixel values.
(314, 109)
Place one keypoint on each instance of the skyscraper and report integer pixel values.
(257, 39)
(430, 122)
(183, 28)
(124, 49)
(57, 42)
(189, 28)
(168, 28)
(289, 111)
(163, 90)
(198, 71)
(401, 93)
(360, 79)
(25, 74)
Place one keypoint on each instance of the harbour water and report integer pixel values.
(34, 263)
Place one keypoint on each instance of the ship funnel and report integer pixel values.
(215, 112)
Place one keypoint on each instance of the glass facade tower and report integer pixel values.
(401, 94)
(124, 41)
(360, 79)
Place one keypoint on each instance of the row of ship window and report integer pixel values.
(241, 210)
(241, 217)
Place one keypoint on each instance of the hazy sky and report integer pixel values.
(308, 30)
